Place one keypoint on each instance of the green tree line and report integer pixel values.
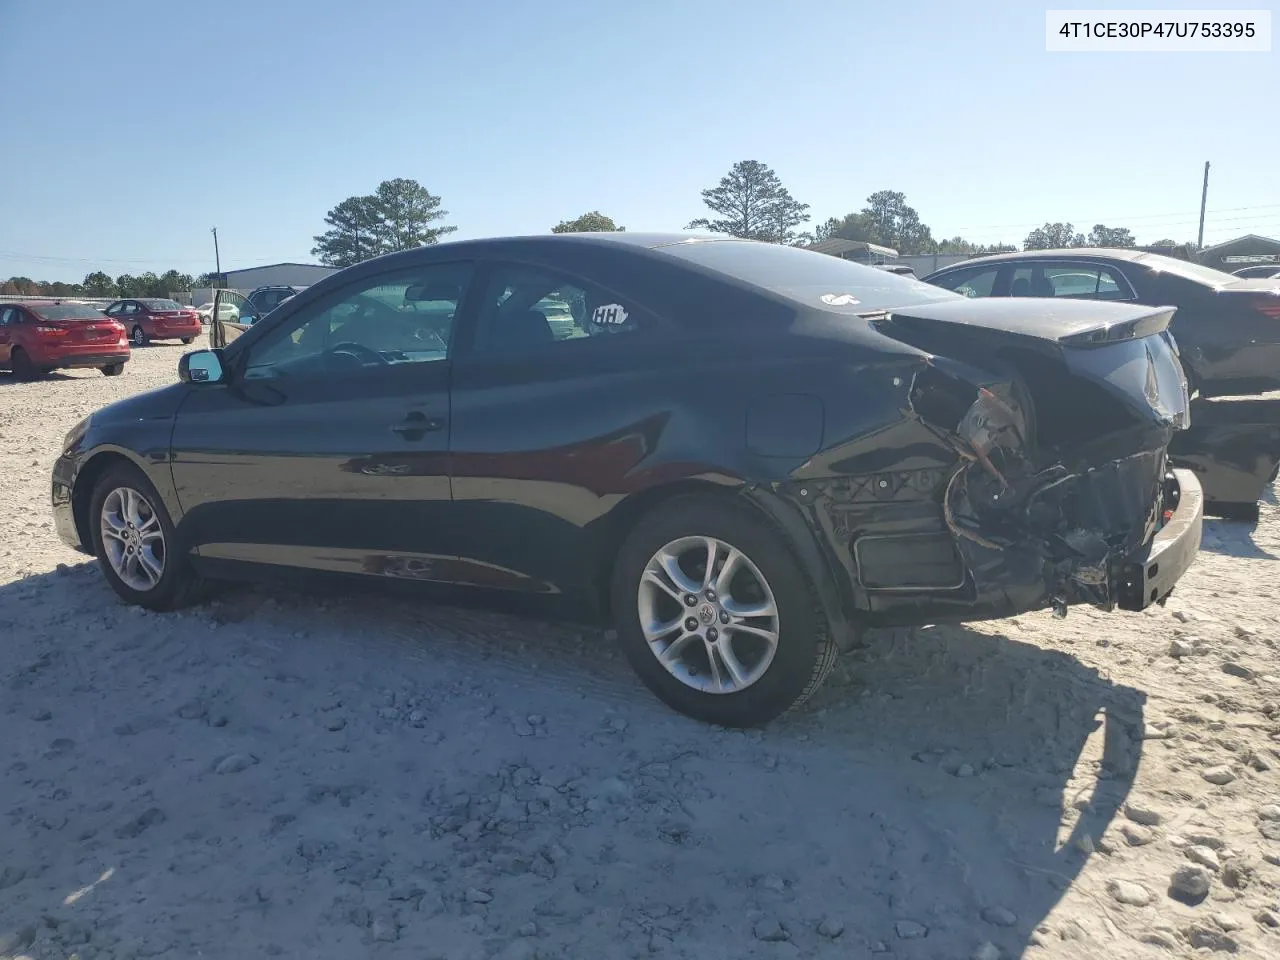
(99, 284)
(750, 202)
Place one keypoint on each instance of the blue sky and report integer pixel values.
(134, 126)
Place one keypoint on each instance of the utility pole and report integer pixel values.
(1204, 195)
(217, 258)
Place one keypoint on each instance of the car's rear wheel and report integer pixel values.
(140, 338)
(134, 541)
(187, 339)
(716, 616)
(21, 365)
(112, 369)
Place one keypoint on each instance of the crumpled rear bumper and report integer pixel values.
(1149, 576)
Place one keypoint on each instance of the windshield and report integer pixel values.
(1187, 270)
(70, 311)
(816, 279)
(162, 304)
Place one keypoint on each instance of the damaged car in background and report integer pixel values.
(739, 454)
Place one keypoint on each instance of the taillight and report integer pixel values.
(51, 331)
(1269, 306)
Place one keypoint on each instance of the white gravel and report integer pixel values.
(280, 774)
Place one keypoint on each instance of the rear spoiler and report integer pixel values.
(1035, 321)
(1156, 321)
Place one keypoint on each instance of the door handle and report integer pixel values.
(417, 424)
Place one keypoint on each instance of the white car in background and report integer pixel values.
(226, 311)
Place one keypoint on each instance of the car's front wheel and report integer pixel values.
(140, 338)
(716, 616)
(134, 540)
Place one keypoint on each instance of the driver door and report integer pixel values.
(327, 445)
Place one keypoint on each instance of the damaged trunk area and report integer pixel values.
(1062, 472)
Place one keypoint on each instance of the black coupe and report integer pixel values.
(740, 453)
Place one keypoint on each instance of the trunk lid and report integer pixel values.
(1077, 323)
(1061, 413)
(1126, 349)
(1261, 295)
(80, 330)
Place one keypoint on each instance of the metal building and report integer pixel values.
(276, 274)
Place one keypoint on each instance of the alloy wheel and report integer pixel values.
(133, 539)
(708, 615)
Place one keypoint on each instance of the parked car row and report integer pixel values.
(40, 336)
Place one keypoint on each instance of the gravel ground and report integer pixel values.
(282, 774)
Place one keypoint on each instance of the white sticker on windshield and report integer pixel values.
(840, 299)
(609, 315)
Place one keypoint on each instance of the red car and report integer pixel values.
(39, 336)
(148, 318)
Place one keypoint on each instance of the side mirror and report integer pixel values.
(201, 366)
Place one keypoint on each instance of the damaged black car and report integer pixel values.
(739, 454)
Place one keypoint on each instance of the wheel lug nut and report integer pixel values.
(690, 600)
(713, 634)
(711, 594)
(724, 617)
(691, 623)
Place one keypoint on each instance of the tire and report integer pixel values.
(187, 339)
(177, 585)
(112, 369)
(21, 365)
(698, 686)
(139, 337)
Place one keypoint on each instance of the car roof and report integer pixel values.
(1063, 253)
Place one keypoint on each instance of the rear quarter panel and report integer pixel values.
(551, 457)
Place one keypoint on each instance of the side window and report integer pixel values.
(401, 317)
(4, 316)
(1113, 286)
(1030, 282)
(971, 283)
(1078, 281)
(524, 308)
(128, 309)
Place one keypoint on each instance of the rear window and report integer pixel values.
(815, 279)
(69, 311)
(1187, 270)
(162, 304)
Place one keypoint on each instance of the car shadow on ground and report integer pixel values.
(7, 378)
(944, 790)
(1233, 538)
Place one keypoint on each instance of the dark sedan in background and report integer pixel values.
(1227, 328)
(740, 453)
